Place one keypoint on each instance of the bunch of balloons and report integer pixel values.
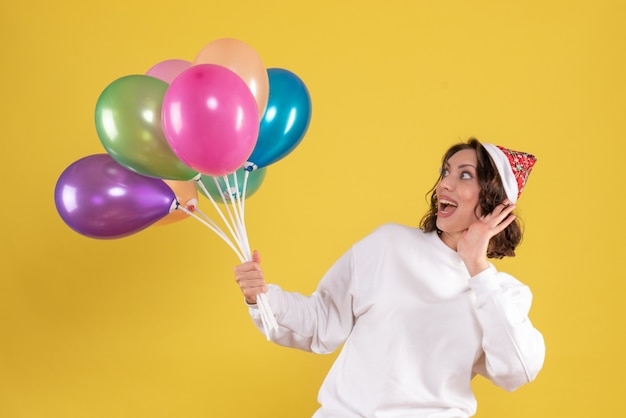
(212, 125)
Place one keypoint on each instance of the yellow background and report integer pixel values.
(152, 325)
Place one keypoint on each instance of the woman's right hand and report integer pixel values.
(249, 277)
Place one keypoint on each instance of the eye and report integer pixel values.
(445, 172)
(466, 176)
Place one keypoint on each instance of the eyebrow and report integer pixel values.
(447, 164)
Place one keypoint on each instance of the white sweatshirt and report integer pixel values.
(416, 327)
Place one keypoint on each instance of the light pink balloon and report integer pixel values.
(168, 70)
(210, 119)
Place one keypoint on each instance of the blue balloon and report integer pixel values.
(285, 121)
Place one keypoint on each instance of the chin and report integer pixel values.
(449, 228)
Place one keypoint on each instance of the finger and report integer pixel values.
(250, 285)
(251, 293)
(256, 257)
(249, 276)
(507, 208)
(503, 210)
(246, 267)
(502, 225)
(504, 205)
(494, 220)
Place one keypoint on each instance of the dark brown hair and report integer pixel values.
(491, 194)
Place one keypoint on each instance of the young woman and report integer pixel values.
(421, 311)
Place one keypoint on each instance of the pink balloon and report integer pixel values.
(168, 70)
(210, 119)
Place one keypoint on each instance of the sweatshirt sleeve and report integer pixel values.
(319, 323)
(514, 349)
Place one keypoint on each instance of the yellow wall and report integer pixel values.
(152, 325)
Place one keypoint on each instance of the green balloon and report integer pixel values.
(255, 179)
(128, 122)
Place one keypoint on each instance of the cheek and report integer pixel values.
(469, 195)
(470, 199)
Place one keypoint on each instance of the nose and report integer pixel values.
(446, 183)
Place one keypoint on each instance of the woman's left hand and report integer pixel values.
(473, 244)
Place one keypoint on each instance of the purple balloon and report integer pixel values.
(99, 198)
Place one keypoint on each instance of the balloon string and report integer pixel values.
(223, 194)
(266, 314)
(217, 209)
(215, 229)
(267, 317)
(227, 199)
(197, 213)
(240, 222)
(241, 238)
(207, 219)
(266, 326)
(240, 198)
(242, 205)
(245, 186)
(236, 203)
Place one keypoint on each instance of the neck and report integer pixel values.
(450, 239)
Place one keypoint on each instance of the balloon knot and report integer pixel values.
(191, 205)
(249, 166)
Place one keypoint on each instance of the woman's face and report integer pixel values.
(457, 194)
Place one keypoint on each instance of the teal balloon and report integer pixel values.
(255, 179)
(128, 123)
(285, 121)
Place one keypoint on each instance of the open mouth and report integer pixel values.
(447, 206)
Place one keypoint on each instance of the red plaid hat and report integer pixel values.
(513, 167)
